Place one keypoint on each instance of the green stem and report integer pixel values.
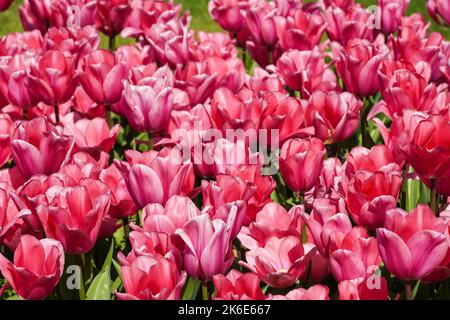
(112, 43)
(205, 295)
(82, 291)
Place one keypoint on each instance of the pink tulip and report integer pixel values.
(237, 286)
(112, 16)
(324, 221)
(439, 11)
(358, 63)
(38, 147)
(37, 267)
(170, 176)
(10, 216)
(412, 245)
(4, 5)
(353, 255)
(206, 246)
(101, 77)
(390, 13)
(272, 220)
(122, 205)
(76, 42)
(301, 163)
(226, 191)
(335, 116)
(92, 136)
(302, 31)
(228, 14)
(74, 215)
(260, 22)
(317, 292)
(428, 151)
(374, 287)
(343, 24)
(147, 108)
(5, 133)
(57, 72)
(177, 212)
(371, 185)
(305, 71)
(148, 278)
(281, 261)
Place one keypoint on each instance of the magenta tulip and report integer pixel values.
(37, 267)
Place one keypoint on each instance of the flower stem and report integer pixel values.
(408, 291)
(205, 295)
(56, 109)
(433, 198)
(112, 43)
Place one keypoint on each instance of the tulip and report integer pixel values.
(25, 90)
(261, 25)
(324, 221)
(122, 205)
(272, 220)
(358, 63)
(390, 14)
(177, 212)
(237, 286)
(335, 116)
(147, 109)
(74, 215)
(101, 77)
(92, 136)
(371, 185)
(429, 150)
(301, 163)
(354, 23)
(4, 5)
(169, 177)
(206, 246)
(57, 72)
(412, 245)
(38, 265)
(317, 292)
(353, 255)
(10, 216)
(374, 287)
(38, 148)
(281, 261)
(302, 31)
(439, 11)
(228, 14)
(112, 16)
(147, 278)
(5, 132)
(306, 71)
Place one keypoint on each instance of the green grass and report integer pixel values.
(9, 20)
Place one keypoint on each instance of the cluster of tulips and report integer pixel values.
(92, 176)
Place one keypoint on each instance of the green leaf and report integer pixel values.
(100, 289)
(109, 257)
(191, 289)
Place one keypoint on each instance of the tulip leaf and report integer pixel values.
(100, 289)
(191, 289)
(109, 257)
